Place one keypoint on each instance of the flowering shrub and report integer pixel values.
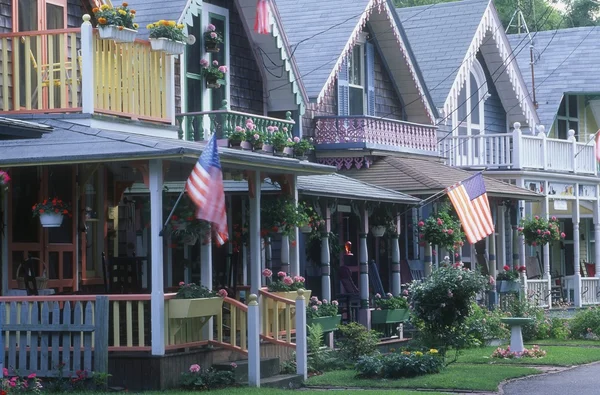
(403, 364)
(317, 308)
(4, 180)
(539, 231)
(510, 274)
(194, 291)
(505, 353)
(212, 36)
(442, 229)
(51, 206)
(390, 302)
(121, 16)
(213, 72)
(586, 324)
(14, 383)
(167, 29)
(283, 283)
(197, 378)
(441, 303)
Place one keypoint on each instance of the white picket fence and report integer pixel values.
(539, 292)
(585, 290)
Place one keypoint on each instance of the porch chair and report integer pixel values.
(588, 269)
(534, 270)
(375, 279)
(417, 270)
(123, 275)
(349, 298)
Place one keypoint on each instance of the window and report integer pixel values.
(469, 116)
(567, 118)
(356, 81)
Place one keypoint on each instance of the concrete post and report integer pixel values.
(157, 297)
(301, 333)
(253, 341)
(254, 231)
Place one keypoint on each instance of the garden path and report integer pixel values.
(581, 380)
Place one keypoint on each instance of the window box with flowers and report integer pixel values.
(540, 231)
(285, 286)
(116, 23)
(167, 36)
(390, 309)
(508, 280)
(194, 301)
(213, 73)
(212, 39)
(51, 212)
(441, 229)
(323, 313)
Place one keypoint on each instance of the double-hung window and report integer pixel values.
(356, 80)
(567, 118)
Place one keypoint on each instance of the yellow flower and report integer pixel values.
(406, 352)
(104, 7)
(150, 26)
(136, 26)
(161, 22)
(433, 351)
(122, 12)
(180, 26)
(172, 23)
(419, 354)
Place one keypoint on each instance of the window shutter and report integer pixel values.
(343, 94)
(370, 77)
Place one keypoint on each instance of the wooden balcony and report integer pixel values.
(198, 126)
(374, 133)
(518, 151)
(73, 70)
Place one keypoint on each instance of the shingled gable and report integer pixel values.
(447, 37)
(322, 36)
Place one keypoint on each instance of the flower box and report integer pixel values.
(169, 47)
(378, 231)
(191, 308)
(328, 324)
(508, 286)
(113, 32)
(213, 84)
(288, 151)
(389, 316)
(212, 47)
(267, 149)
(246, 146)
(51, 220)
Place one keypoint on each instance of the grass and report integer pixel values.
(568, 342)
(555, 355)
(259, 391)
(475, 377)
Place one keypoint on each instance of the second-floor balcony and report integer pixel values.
(74, 70)
(374, 133)
(515, 151)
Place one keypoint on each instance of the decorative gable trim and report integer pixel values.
(490, 22)
(380, 6)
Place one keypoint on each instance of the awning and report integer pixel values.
(424, 177)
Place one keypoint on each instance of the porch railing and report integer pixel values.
(198, 126)
(375, 133)
(278, 319)
(73, 70)
(518, 151)
(538, 292)
(585, 290)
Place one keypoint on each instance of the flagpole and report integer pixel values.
(171, 213)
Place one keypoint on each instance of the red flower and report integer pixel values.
(174, 218)
(41, 211)
(65, 211)
(506, 268)
(56, 210)
(275, 229)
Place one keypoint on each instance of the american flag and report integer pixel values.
(471, 203)
(205, 187)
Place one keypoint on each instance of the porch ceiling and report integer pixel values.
(69, 142)
(427, 176)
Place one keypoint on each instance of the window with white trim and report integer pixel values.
(567, 117)
(356, 81)
(469, 119)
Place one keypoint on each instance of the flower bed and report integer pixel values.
(505, 353)
(398, 365)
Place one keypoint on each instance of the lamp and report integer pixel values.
(348, 249)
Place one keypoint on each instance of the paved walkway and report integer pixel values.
(583, 380)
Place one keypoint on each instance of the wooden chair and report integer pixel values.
(375, 279)
(417, 270)
(349, 298)
(534, 269)
(122, 274)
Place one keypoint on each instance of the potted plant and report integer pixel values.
(194, 300)
(116, 23)
(268, 147)
(167, 36)
(380, 221)
(301, 147)
(507, 281)
(308, 218)
(212, 39)
(254, 138)
(539, 231)
(213, 73)
(284, 285)
(184, 225)
(442, 229)
(390, 309)
(236, 137)
(279, 139)
(323, 313)
(280, 215)
(51, 212)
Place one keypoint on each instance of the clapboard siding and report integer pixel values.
(387, 101)
(495, 115)
(75, 13)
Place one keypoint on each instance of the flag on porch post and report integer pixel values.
(205, 187)
(597, 148)
(469, 198)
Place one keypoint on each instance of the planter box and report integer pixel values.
(191, 308)
(169, 47)
(292, 295)
(51, 220)
(119, 35)
(389, 316)
(329, 324)
(508, 287)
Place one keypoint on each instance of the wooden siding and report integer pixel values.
(75, 13)
(494, 112)
(387, 101)
(328, 107)
(5, 16)
(5, 27)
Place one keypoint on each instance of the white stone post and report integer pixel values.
(87, 66)
(301, 333)
(295, 248)
(206, 277)
(285, 253)
(576, 247)
(253, 341)
(517, 154)
(396, 280)
(254, 231)
(157, 297)
(364, 313)
(325, 264)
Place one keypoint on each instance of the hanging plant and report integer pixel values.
(184, 226)
(540, 231)
(51, 212)
(212, 39)
(280, 215)
(442, 229)
(4, 180)
(213, 73)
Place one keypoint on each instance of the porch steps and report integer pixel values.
(269, 373)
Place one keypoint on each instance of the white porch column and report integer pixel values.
(87, 65)
(546, 247)
(244, 250)
(4, 241)
(325, 267)
(493, 296)
(364, 314)
(396, 280)
(285, 253)
(206, 277)
(295, 248)
(501, 248)
(187, 269)
(516, 247)
(597, 231)
(576, 235)
(157, 301)
(254, 231)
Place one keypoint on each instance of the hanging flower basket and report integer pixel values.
(51, 220)
(305, 229)
(378, 231)
(212, 47)
(212, 84)
(167, 46)
(212, 39)
(539, 231)
(118, 33)
(51, 212)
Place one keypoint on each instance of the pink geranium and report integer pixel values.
(195, 368)
(287, 280)
(222, 293)
(204, 63)
(267, 273)
(282, 274)
(211, 27)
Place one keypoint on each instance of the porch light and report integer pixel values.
(348, 249)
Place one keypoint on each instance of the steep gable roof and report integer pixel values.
(566, 62)
(322, 35)
(446, 39)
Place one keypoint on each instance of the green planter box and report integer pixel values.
(389, 316)
(329, 324)
(508, 286)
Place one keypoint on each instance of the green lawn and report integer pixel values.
(261, 391)
(569, 342)
(456, 376)
(555, 355)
